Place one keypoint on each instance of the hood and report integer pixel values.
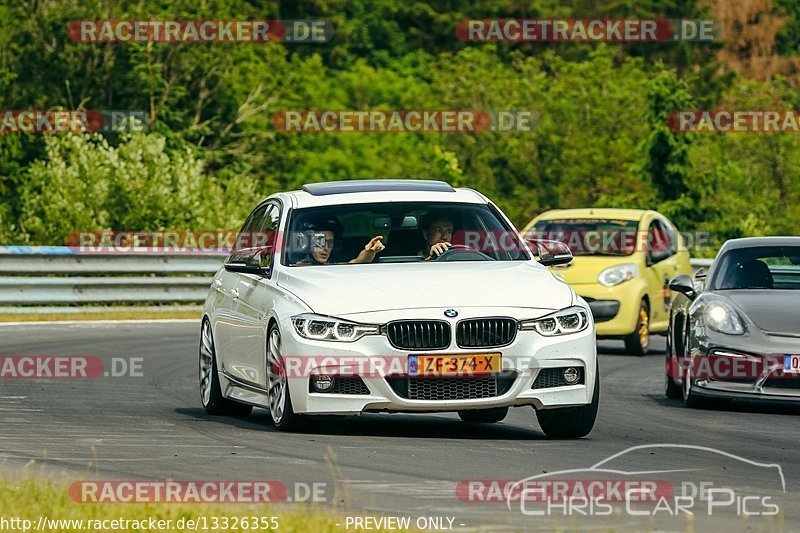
(345, 289)
(771, 310)
(584, 269)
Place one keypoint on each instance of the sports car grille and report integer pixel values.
(485, 332)
(453, 388)
(553, 377)
(419, 334)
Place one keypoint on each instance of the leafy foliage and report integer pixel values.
(600, 135)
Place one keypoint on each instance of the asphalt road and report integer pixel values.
(152, 427)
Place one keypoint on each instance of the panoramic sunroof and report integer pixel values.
(341, 187)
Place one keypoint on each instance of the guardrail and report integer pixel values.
(35, 276)
(48, 275)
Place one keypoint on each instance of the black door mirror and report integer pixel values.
(684, 285)
(251, 261)
(551, 253)
(244, 268)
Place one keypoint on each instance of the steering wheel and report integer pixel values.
(462, 252)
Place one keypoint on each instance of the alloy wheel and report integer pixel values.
(206, 363)
(276, 378)
(643, 328)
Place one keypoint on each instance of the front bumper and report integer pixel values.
(615, 309)
(748, 391)
(523, 360)
(763, 380)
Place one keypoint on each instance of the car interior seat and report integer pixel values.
(404, 242)
(751, 274)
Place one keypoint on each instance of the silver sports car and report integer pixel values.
(735, 332)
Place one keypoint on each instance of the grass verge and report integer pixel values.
(32, 499)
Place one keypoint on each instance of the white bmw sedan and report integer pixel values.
(395, 296)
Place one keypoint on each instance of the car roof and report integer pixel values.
(593, 212)
(753, 242)
(379, 191)
(341, 187)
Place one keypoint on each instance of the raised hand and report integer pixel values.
(375, 245)
(368, 253)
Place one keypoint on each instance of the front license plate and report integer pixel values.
(791, 364)
(453, 365)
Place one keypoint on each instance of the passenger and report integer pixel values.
(325, 234)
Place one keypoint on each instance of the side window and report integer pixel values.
(658, 244)
(255, 243)
(266, 237)
(672, 238)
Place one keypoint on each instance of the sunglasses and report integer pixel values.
(321, 242)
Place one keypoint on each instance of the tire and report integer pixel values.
(280, 401)
(484, 416)
(211, 396)
(690, 399)
(638, 342)
(571, 422)
(671, 389)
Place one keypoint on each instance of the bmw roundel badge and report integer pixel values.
(451, 313)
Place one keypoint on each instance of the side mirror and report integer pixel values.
(684, 285)
(244, 268)
(551, 253)
(252, 261)
(701, 274)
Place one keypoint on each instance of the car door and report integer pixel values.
(256, 299)
(228, 320)
(678, 261)
(660, 261)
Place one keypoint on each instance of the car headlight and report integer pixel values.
(721, 317)
(569, 320)
(618, 274)
(328, 328)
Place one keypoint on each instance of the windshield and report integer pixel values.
(400, 232)
(768, 267)
(590, 236)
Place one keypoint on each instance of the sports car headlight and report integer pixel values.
(569, 320)
(721, 317)
(618, 274)
(328, 328)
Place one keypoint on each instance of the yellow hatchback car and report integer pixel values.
(623, 262)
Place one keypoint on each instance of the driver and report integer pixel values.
(325, 233)
(437, 230)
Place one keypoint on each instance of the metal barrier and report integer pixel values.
(36, 276)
